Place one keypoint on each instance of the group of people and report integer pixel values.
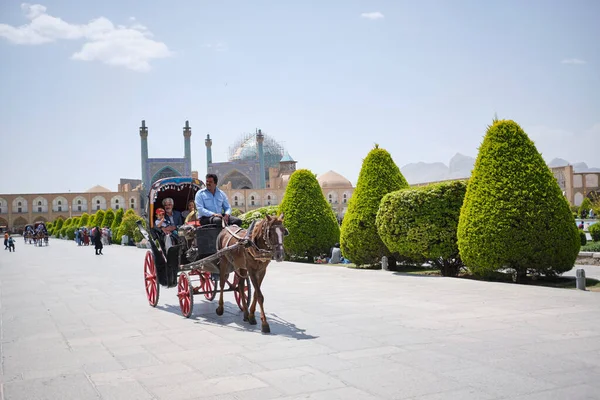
(83, 236)
(334, 258)
(9, 242)
(210, 206)
(96, 235)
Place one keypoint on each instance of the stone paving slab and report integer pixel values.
(78, 326)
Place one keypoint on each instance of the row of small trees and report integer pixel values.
(120, 222)
(510, 215)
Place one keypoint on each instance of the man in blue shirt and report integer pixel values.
(213, 206)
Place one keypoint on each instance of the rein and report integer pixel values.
(258, 254)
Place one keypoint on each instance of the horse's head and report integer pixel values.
(272, 231)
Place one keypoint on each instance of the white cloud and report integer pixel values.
(372, 15)
(572, 61)
(127, 46)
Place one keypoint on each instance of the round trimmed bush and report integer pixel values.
(310, 220)
(420, 224)
(594, 231)
(379, 175)
(256, 214)
(514, 215)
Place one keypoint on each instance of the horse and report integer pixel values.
(263, 242)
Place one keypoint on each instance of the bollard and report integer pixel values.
(384, 263)
(580, 279)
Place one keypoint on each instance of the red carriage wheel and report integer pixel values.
(209, 286)
(152, 287)
(247, 290)
(185, 292)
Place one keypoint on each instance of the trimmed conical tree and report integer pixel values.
(310, 220)
(116, 224)
(98, 217)
(514, 215)
(379, 175)
(85, 218)
(109, 217)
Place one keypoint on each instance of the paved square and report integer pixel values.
(78, 326)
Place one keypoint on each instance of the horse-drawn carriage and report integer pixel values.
(28, 233)
(40, 235)
(199, 257)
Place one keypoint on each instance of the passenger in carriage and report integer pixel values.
(213, 206)
(192, 217)
(172, 218)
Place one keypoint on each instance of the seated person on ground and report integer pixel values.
(213, 206)
(336, 254)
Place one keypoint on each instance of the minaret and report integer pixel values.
(144, 140)
(187, 134)
(208, 143)
(260, 138)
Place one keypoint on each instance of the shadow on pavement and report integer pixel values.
(232, 318)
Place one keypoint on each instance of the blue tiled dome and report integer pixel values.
(248, 150)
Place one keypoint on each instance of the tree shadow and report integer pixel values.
(232, 318)
(400, 273)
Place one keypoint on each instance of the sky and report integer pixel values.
(327, 79)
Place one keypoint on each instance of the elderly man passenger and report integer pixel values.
(213, 206)
(172, 217)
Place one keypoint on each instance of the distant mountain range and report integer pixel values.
(460, 166)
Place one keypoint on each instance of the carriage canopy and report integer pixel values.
(180, 189)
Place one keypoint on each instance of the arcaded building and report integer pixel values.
(577, 185)
(18, 210)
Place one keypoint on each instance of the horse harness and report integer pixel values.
(257, 253)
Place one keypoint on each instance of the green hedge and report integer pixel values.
(379, 175)
(98, 218)
(116, 224)
(309, 218)
(256, 214)
(58, 224)
(236, 212)
(109, 217)
(420, 224)
(70, 232)
(129, 227)
(594, 231)
(514, 215)
(85, 218)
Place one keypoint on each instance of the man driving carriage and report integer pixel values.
(213, 205)
(41, 228)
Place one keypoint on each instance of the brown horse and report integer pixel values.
(265, 243)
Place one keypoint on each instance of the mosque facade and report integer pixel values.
(258, 170)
